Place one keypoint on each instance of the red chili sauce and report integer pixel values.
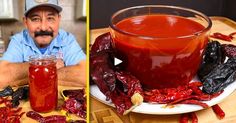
(164, 60)
(43, 87)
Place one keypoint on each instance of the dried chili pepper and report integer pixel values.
(218, 111)
(118, 86)
(72, 105)
(214, 72)
(130, 83)
(213, 56)
(184, 118)
(188, 94)
(54, 119)
(8, 91)
(232, 34)
(34, 115)
(101, 66)
(122, 102)
(220, 77)
(104, 76)
(168, 95)
(9, 114)
(229, 50)
(193, 117)
(102, 72)
(48, 119)
(21, 93)
(102, 43)
(196, 102)
(76, 102)
(74, 93)
(127, 88)
(221, 36)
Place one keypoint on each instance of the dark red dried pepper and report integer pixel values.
(114, 84)
(229, 50)
(218, 111)
(121, 101)
(102, 73)
(48, 119)
(77, 93)
(196, 102)
(102, 43)
(193, 117)
(9, 114)
(75, 106)
(232, 34)
(224, 37)
(76, 102)
(54, 119)
(130, 83)
(34, 115)
(188, 94)
(184, 118)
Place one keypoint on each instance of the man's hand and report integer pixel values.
(74, 75)
(13, 74)
(60, 63)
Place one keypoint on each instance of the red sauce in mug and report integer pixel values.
(160, 62)
(43, 86)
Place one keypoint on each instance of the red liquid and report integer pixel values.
(43, 87)
(160, 62)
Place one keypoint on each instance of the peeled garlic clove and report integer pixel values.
(137, 99)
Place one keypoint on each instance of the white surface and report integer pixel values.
(159, 109)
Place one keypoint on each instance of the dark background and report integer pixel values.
(102, 10)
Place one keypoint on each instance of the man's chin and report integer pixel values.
(43, 41)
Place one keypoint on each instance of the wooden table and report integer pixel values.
(101, 113)
(26, 106)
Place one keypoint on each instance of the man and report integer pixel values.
(43, 36)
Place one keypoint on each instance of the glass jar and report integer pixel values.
(43, 82)
(161, 45)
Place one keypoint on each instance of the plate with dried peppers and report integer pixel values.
(164, 109)
(114, 87)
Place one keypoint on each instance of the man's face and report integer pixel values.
(43, 25)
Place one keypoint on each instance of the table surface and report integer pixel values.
(101, 113)
(26, 106)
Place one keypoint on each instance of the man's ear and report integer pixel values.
(59, 16)
(25, 21)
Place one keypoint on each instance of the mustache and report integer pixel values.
(43, 33)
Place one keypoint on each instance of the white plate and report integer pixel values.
(147, 108)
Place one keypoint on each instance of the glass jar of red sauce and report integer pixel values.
(161, 45)
(43, 83)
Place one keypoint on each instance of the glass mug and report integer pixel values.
(161, 45)
(43, 83)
